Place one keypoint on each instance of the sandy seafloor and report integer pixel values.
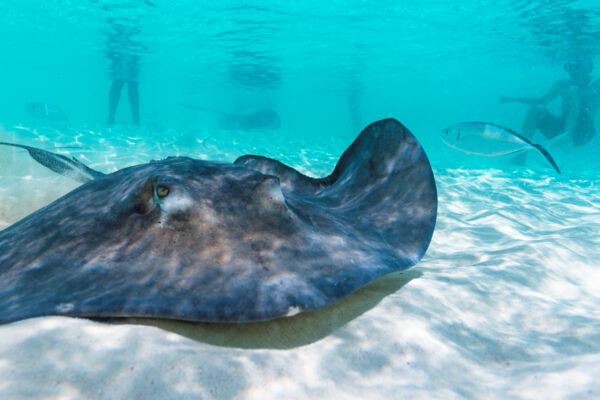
(505, 304)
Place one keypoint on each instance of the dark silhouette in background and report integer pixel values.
(123, 51)
(261, 119)
(580, 103)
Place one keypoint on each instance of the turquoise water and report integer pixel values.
(328, 70)
(504, 304)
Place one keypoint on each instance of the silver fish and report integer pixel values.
(489, 139)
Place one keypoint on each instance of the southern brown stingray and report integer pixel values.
(261, 119)
(198, 240)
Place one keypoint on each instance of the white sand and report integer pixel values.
(506, 304)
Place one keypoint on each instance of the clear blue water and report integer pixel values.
(328, 70)
(504, 304)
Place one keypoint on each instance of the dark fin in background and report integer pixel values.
(547, 155)
(69, 167)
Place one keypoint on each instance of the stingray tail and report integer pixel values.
(547, 155)
(69, 167)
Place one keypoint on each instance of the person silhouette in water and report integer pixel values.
(580, 103)
(123, 51)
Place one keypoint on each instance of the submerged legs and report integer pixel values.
(134, 100)
(113, 99)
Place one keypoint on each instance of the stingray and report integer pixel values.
(197, 240)
(47, 115)
(261, 119)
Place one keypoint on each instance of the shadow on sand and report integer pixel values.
(284, 333)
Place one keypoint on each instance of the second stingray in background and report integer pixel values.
(46, 115)
(488, 139)
(261, 119)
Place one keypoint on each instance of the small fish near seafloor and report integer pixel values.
(199, 240)
(47, 115)
(489, 139)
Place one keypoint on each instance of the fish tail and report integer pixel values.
(547, 155)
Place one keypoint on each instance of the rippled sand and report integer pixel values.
(505, 304)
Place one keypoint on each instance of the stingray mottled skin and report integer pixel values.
(211, 241)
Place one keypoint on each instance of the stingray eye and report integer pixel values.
(162, 191)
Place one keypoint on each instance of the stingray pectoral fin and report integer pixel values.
(386, 178)
(383, 179)
(547, 156)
